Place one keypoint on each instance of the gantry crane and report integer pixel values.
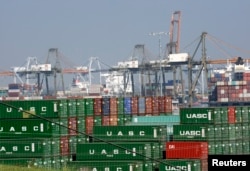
(174, 47)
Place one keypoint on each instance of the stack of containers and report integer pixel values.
(60, 124)
(224, 129)
(110, 140)
(229, 88)
(167, 120)
(123, 144)
(30, 133)
(191, 138)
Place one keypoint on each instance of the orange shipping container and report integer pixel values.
(113, 105)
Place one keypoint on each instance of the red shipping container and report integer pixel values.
(113, 105)
(186, 149)
(149, 103)
(231, 114)
(72, 124)
(97, 106)
(64, 145)
(105, 120)
(89, 123)
(168, 106)
(113, 119)
(134, 105)
(162, 103)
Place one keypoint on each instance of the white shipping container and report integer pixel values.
(128, 64)
(179, 57)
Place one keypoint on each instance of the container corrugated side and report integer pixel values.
(180, 164)
(186, 149)
(167, 119)
(127, 105)
(130, 133)
(105, 106)
(14, 148)
(113, 151)
(89, 106)
(13, 128)
(111, 165)
(193, 132)
(197, 115)
(29, 109)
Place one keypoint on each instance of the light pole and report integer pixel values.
(159, 34)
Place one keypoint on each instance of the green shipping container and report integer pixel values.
(29, 109)
(180, 164)
(14, 148)
(120, 105)
(113, 151)
(72, 107)
(89, 106)
(197, 115)
(193, 132)
(80, 107)
(245, 113)
(13, 128)
(111, 165)
(130, 133)
(63, 108)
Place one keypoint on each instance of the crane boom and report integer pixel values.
(86, 71)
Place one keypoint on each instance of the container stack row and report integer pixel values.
(227, 87)
(215, 130)
(45, 133)
(177, 155)
(136, 147)
(31, 134)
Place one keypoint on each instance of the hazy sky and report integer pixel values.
(109, 29)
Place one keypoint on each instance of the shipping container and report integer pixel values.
(149, 105)
(105, 105)
(72, 107)
(157, 120)
(127, 106)
(113, 151)
(15, 148)
(113, 106)
(141, 106)
(134, 105)
(111, 165)
(186, 149)
(63, 108)
(29, 109)
(80, 107)
(89, 106)
(130, 133)
(180, 164)
(168, 107)
(89, 124)
(193, 132)
(72, 126)
(197, 115)
(97, 106)
(120, 105)
(13, 128)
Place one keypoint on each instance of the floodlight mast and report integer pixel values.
(159, 34)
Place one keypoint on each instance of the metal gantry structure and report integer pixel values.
(151, 73)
